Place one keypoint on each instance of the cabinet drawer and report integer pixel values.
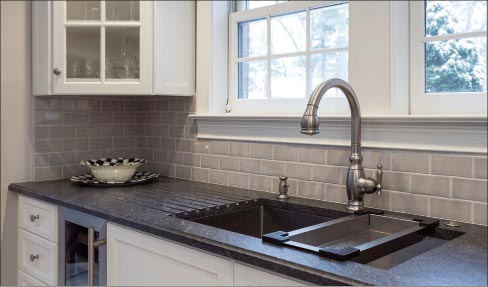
(39, 218)
(24, 279)
(251, 276)
(37, 257)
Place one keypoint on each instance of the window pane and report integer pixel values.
(450, 17)
(327, 66)
(252, 38)
(83, 52)
(288, 77)
(122, 10)
(288, 33)
(122, 53)
(329, 27)
(252, 80)
(456, 65)
(258, 4)
(82, 10)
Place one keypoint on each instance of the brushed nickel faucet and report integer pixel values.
(357, 184)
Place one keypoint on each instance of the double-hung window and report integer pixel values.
(448, 57)
(280, 52)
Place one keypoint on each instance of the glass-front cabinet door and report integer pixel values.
(102, 47)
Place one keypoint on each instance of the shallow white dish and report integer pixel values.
(113, 170)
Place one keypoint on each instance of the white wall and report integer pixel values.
(16, 117)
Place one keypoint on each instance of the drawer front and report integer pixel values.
(37, 257)
(39, 218)
(24, 279)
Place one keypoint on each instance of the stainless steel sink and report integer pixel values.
(256, 221)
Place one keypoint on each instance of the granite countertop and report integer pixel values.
(158, 208)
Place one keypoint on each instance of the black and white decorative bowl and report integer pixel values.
(138, 178)
(113, 169)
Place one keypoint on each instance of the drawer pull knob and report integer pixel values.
(34, 217)
(33, 257)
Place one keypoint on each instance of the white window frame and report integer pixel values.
(335, 105)
(422, 103)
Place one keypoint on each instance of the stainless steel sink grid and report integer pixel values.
(363, 238)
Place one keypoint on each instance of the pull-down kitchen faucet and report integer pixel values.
(357, 184)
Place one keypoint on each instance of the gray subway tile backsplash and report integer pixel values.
(74, 128)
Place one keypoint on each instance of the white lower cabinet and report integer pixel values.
(25, 279)
(135, 258)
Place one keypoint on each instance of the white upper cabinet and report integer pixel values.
(113, 47)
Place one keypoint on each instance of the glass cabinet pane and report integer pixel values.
(122, 10)
(83, 52)
(82, 10)
(122, 53)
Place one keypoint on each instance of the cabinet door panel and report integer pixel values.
(249, 276)
(138, 259)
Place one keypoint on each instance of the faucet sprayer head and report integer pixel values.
(310, 121)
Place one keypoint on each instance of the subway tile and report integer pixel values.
(48, 118)
(71, 170)
(176, 105)
(112, 153)
(217, 176)
(372, 158)
(176, 131)
(88, 105)
(87, 131)
(200, 146)
(140, 142)
(264, 151)
(298, 171)
(123, 142)
(411, 162)
(86, 155)
(396, 181)
(153, 118)
(161, 155)
(312, 155)
(41, 160)
(273, 168)
(284, 152)
(124, 118)
(452, 165)
(146, 130)
(183, 172)
(54, 104)
(191, 132)
(210, 161)
(184, 145)
(238, 179)
(191, 159)
(250, 165)
(111, 130)
(100, 143)
(328, 174)
(148, 154)
(381, 201)
(311, 189)
(168, 144)
(168, 118)
(167, 170)
(470, 189)
(480, 167)
(47, 173)
(229, 163)
(132, 105)
(76, 118)
(41, 133)
(480, 213)
(430, 185)
(240, 149)
(338, 157)
(220, 147)
(101, 118)
(161, 131)
(161, 105)
(51, 145)
(409, 203)
(335, 193)
(183, 119)
(259, 182)
(176, 158)
(152, 166)
(112, 105)
(65, 158)
(153, 142)
(140, 118)
(199, 174)
(450, 209)
(131, 130)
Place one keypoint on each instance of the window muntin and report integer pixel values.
(303, 48)
(455, 47)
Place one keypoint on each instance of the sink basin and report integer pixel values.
(259, 220)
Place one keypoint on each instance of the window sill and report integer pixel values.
(465, 134)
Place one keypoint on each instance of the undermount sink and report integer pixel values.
(260, 220)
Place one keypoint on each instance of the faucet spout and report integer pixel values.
(357, 184)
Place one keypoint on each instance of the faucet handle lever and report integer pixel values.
(379, 178)
(283, 189)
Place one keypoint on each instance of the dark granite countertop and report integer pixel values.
(151, 208)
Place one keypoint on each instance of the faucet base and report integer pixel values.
(355, 205)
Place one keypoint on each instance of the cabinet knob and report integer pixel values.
(57, 71)
(34, 217)
(33, 257)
